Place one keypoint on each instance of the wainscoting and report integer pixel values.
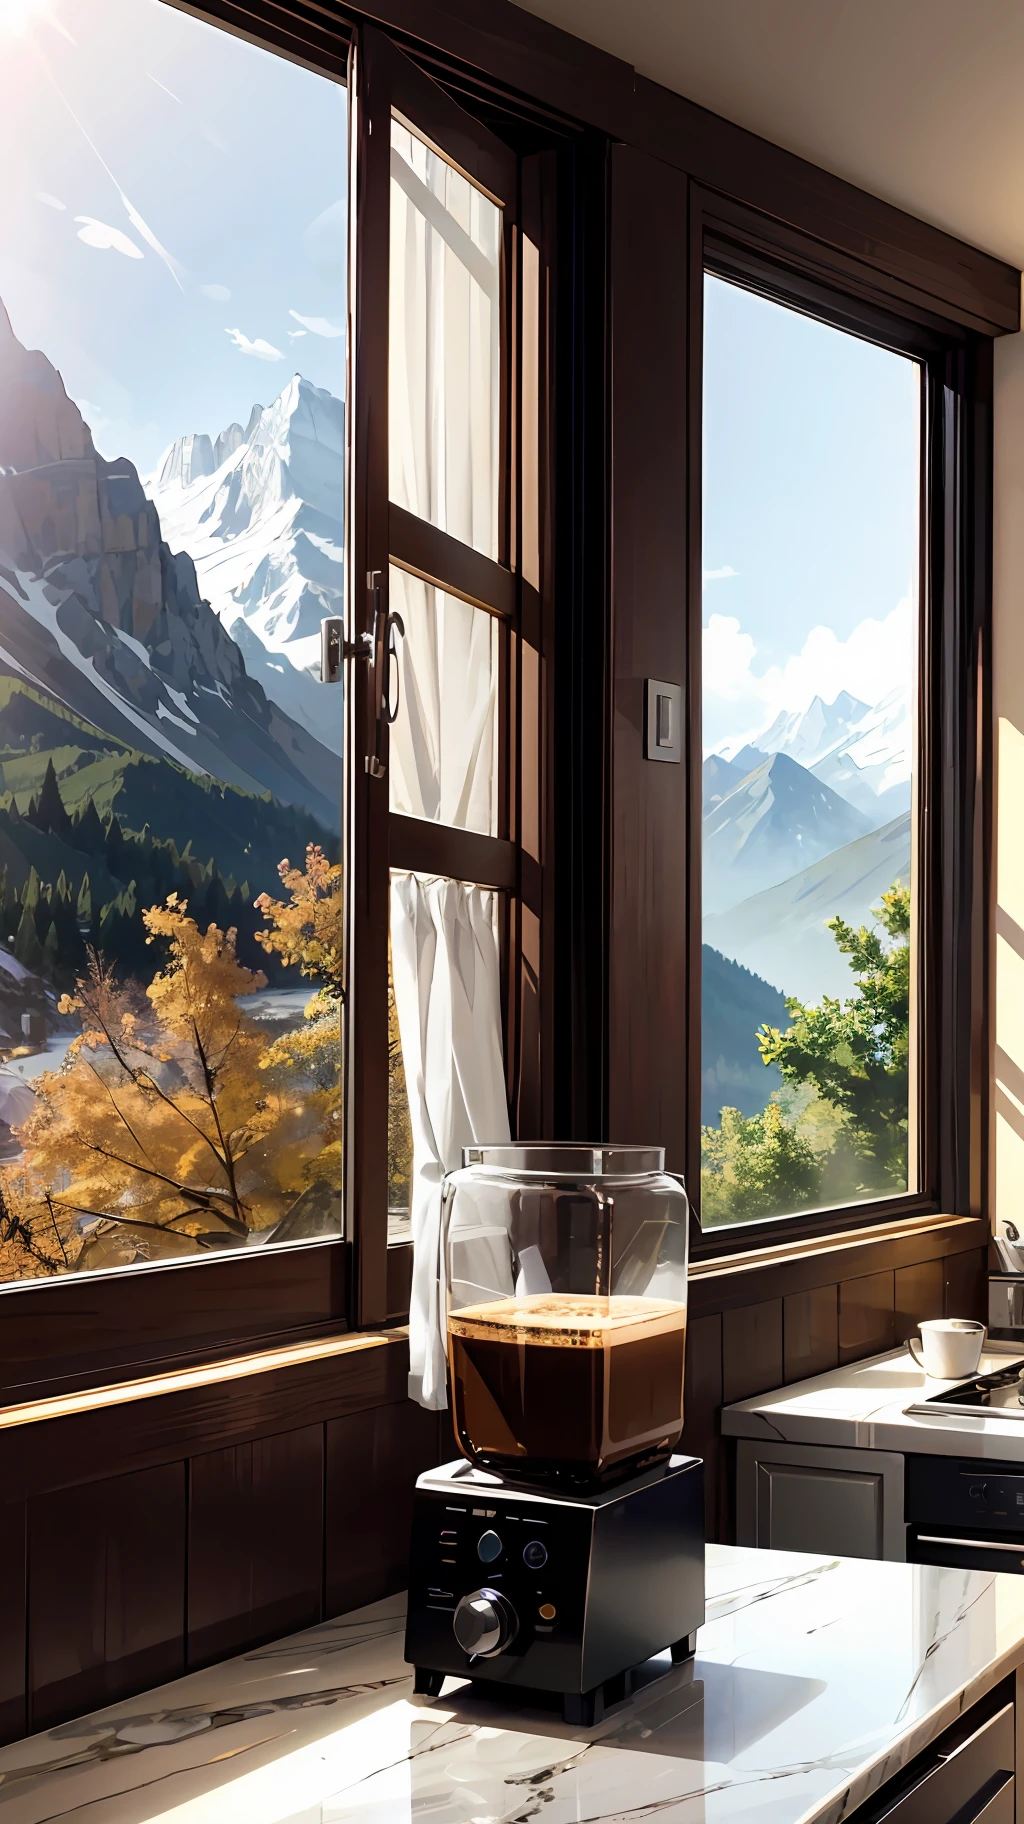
(151, 1536)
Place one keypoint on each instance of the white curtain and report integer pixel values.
(444, 361)
(443, 420)
(443, 749)
(444, 958)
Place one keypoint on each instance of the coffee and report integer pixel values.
(567, 1389)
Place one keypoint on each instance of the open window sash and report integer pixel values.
(431, 520)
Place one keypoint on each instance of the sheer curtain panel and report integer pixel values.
(445, 963)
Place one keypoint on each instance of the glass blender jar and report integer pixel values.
(565, 1298)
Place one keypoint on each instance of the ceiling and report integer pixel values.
(919, 101)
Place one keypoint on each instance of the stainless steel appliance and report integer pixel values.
(569, 1548)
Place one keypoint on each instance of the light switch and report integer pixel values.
(663, 720)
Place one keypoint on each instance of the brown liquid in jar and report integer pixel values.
(565, 1389)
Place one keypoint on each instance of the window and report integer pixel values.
(172, 531)
(446, 281)
(811, 763)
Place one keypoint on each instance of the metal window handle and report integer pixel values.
(383, 652)
(394, 630)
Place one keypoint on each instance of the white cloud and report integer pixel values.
(320, 326)
(52, 202)
(219, 293)
(294, 334)
(740, 701)
(715, 576)
(263, 351)
(99, 234)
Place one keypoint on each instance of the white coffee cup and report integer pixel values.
(950, 1347)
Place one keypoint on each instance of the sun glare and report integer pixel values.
(15, 15)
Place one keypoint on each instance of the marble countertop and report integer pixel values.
(865, 1405)
(816, 1680)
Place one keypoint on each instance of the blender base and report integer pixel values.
(562, 1594)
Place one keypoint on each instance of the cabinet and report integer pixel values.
(966, 1777)
(816, 1498)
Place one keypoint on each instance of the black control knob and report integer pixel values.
(978, 1491)
(535, 1555)
(485, 1623)
(489, 1546)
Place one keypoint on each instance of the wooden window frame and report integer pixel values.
(735, 243)
(388, 84)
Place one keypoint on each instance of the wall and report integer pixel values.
(159, 1534)
(1006, 1004)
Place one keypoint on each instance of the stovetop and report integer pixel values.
(1001, 1394)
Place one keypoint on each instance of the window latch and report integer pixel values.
(335, 649)
(378, 647)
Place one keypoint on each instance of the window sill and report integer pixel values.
(819, 1260)
(192, 1379)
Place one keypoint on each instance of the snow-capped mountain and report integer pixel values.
(260, 512)
(806, 735)
(190, 458)
(720, 777)
(781, 935)
(871, 764)
(98, 615)
(777, 820)
(862, 751)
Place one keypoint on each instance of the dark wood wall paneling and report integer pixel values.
(114, 1580)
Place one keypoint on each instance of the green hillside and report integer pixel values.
(734, 1004)
(92, 832)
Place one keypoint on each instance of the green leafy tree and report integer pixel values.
(855, 1053)
(756, 1165)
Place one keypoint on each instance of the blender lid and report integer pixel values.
(569, 1159)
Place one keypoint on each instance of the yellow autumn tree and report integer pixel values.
(175, 1124)
(163, 1131)
(308, 930)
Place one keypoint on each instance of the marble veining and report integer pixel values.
(816, 1679)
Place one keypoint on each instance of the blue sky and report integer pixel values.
(810, 513)
(227, 160)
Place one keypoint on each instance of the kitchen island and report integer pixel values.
(818, 1682)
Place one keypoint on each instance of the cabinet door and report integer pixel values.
(808, 1498)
